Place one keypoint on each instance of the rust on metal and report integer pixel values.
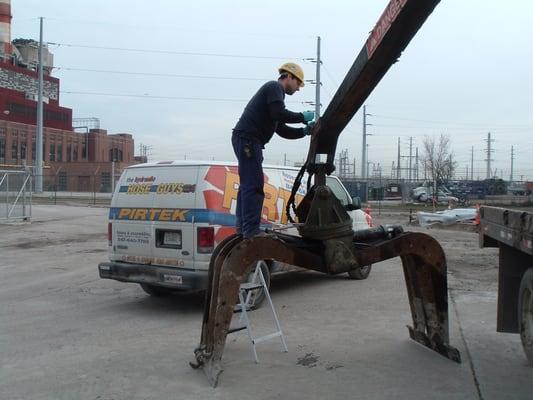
(424, 266)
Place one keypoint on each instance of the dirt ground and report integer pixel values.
(469, 266)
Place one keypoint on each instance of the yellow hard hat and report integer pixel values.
(293, 69)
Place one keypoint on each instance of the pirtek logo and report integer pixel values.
(153, 214)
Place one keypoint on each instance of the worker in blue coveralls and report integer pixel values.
(264, 114)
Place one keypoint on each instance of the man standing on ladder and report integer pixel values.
(264, 114)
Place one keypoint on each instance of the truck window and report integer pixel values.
(338, 190)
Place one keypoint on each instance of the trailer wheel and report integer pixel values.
(525, 313)
(154, 290)
(360, 273)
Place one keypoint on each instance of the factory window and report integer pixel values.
(59, 151)
(2, 150)
(23, 151)
(62, 181)
(115, 154)
(52, 155)
(33, 150)
(75, 154)
(69, 152)
(22, 110)
(55, 116)
(84, 151)
(14, 151)
(105, 182)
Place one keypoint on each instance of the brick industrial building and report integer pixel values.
(77, 161)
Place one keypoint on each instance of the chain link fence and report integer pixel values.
(60, 186)
(15, 195)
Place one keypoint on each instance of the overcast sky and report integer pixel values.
(466, 73)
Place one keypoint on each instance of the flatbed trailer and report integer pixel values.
(512, 232)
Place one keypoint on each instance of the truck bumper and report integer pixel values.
(172, 278)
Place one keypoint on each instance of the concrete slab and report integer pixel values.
(66, 334)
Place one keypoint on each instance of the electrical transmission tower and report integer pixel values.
(489, 150)
(364, 155)
(144, 151)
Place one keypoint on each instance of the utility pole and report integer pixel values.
(398, 171)
(472, 165)
(410, 157)
(318, 83)
(489, 151)
(512, 163)
(364, 170)
(39, 133)
(416, 164)
(317, 78)
(367, 164)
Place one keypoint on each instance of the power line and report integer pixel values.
(173, 28)
(160, 74)
(149, 96)
(335, 82)
(183, 53)
(448, 123)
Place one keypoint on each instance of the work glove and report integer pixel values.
(309, 128)
(308, 116)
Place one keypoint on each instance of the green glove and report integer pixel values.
(308, 116)
(309, 128)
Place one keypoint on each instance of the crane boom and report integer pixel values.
(398, 24)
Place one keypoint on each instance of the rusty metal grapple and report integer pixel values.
(326, 242)
(423, 261)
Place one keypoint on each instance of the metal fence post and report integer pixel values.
(7, 196)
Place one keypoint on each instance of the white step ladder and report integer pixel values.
(245, 298)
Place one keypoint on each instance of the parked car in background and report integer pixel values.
(424, 194)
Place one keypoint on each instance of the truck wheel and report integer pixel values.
(155, 291)
(360, 273)
(525, 313)
(258, 295)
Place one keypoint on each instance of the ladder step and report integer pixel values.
(238, 308)
(236, 328)
(246, 286)
(267, 337)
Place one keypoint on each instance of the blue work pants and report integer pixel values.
(250, 196)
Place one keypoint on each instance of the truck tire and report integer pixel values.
(154, 290)
(525, 313)
(360, 273)
(258, 295)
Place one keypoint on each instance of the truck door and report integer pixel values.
(129, 217)
(174, 210)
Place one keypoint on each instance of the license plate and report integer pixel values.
(172, 278)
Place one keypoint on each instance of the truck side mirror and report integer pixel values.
(356, 203)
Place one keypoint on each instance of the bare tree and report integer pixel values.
(437, 159)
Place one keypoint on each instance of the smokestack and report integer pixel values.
(5, 30)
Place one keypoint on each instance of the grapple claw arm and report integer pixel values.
(424, 266)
